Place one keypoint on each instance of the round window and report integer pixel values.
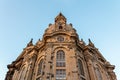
(60, 39)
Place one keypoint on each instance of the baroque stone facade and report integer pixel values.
(60, 55)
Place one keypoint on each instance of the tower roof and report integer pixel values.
(60, 17)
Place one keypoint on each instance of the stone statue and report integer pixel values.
(30, 43)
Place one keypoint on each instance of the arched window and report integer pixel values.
(81, 70)
(60, 65)
(60, 59)
(98, 74)
(40, 65)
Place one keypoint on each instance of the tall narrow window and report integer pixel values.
(60, 65)
(40, 65)
(98, 74)
(81, 70)
(60, 59)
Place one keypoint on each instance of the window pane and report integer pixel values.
(60, 55)
(60, 74)
(60, 59)
(60, 63)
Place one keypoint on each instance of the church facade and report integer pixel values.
(60, 55)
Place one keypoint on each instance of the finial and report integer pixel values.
(60, 14)
(50, 24)
(30, 43)
(89, 40)
(71, 24)
(31, 40)
(90, 43)
(82, 41)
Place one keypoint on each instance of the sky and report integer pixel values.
(21, 20)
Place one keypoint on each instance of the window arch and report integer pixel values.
(40, 66)
(81, 70)
(98, 74)
(60, 59)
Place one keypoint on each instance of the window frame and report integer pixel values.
(60, 65)
(39, 69)
(60, 74)
(60, 59)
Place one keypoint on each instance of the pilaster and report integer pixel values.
(88, 58)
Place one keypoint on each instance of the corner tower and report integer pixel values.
(60, 55)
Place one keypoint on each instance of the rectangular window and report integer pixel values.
(60, 63)
(60, 74)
